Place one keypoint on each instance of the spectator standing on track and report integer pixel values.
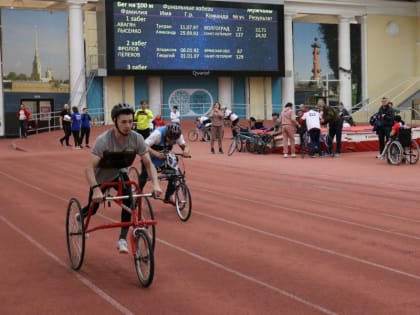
(216, 116)
(161, 139)
(85, 130)
(23, 115)
(143, 117)
(232, 117)
(76, 125)
(118, 139)
(288, 129)
(313, 124)
(331, 118)
(386, 120)
(175, 116)
(65, 124)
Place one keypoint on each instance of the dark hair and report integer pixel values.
(121, 108)
(397, 118)
(288, 105)
(275, 114)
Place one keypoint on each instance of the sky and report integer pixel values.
(18, 33)
(19, 29)
(304, 35)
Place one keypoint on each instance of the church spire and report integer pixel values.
(36, 64)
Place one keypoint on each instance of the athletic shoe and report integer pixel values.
(293, 155)
(285, 155)
(169, 200)
(220, 150)
(336, 154)
(122, 246)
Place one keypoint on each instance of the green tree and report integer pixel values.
(329, 34)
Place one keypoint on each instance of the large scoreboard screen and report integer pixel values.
(193, 37)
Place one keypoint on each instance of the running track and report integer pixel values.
(267, 235)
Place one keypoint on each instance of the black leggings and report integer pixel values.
(170, 189)
(125, 216)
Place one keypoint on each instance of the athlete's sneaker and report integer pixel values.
(122, 246)
(170, 200)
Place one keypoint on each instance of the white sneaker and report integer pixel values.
(285, 155)
(293, 155)
(122, 246)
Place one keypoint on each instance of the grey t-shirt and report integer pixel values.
(107, 142)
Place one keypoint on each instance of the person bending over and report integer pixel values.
(160, 140)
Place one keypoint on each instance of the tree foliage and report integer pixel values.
(329, 34)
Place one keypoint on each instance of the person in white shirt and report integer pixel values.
(175, 116)
(233, 118)
(313, 124)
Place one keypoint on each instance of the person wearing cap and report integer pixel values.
(159, 143)
(118, 139)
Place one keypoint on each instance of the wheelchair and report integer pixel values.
(401, 149)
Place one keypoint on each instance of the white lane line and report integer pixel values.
(316, 215)
(82, 279)
(249, 278)
(321, 249)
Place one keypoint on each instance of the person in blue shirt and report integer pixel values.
(160, 140)
(76, 125)
(85, 130)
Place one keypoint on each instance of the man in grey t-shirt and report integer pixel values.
(120, 138)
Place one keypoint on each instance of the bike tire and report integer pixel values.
(183, 202)
(193, 135)
(232, 147)
(144, 260)
(75, 234)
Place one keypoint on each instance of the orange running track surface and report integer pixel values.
(267, 235)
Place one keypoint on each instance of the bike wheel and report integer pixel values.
(239, 145)
(144, 261)
(145, 212)
(232, 147)
(183, 202)
(411, 153)
(75, 234)
(395, 153)
(193, 135)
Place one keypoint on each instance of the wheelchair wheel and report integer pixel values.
(183, 202)
(193, 135)
(147, 214)
(251, 144)
(75, 234)
(395, 153)
(144, 261)
(411, 153)
(268, 144)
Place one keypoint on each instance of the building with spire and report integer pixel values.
(36, 64)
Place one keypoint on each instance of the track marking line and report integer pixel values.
(318, 248)
(81, 278)
(249, 278)
(325, 217)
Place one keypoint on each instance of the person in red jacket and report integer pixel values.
(23, 115)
